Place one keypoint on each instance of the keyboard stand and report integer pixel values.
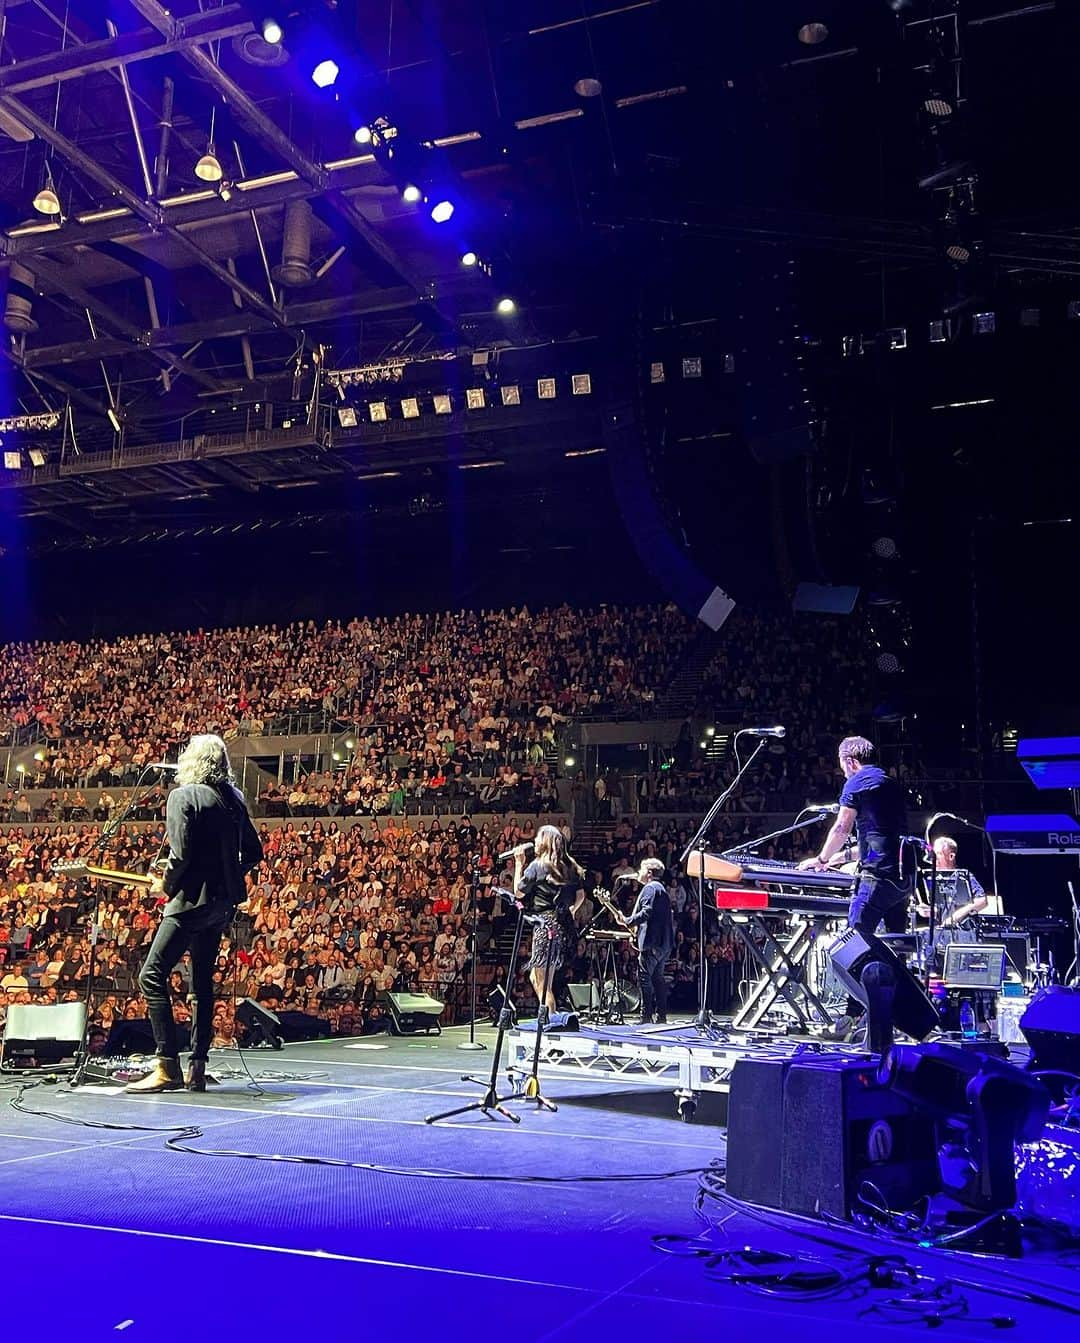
(780, 963)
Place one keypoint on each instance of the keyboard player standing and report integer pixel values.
(871, 803)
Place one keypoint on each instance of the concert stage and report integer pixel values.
(532, 1231)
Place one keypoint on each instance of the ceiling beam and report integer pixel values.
(110, 53)
(235, 324)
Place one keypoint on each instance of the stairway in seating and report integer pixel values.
(591, 839)
(680, 697)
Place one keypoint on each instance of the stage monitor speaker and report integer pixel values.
(133, 1035)
(1051, 1026)
(583, 997)
(41, 1035)
(756, 1130)
(913, 1012)
(411, 1013)
(843, 1128)
(263, 1026)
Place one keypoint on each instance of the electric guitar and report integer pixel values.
(79, 867)
(604, 900)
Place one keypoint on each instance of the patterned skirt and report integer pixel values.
(550, 933)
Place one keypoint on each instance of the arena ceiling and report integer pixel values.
(580, 140)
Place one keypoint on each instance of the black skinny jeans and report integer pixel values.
(170, 942)
(651, 962)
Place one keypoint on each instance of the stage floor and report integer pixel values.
(109, 1231)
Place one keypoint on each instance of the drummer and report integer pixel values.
(960, 894)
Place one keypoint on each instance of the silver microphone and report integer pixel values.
(162, 764)
(502, 858)
(825, 808)
(764, 731)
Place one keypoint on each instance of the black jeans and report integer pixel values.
(170, 942)
(651, 962)
(877, 901)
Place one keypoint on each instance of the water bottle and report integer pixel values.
(967, 1020)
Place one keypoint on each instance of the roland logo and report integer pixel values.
(1066, 839)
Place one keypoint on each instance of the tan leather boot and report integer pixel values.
(164, 1076)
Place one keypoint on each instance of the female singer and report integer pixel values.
(552, 887)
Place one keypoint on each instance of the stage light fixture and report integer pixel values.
(442, 405)
(569, 762)
(37, 457)
(813, 34)
(347, 417)
(325, 74)
(377, 411)
(897, 337)
(545, 389)
(939, 331)
(1030, 317)
(691, 367)
(362, 135)
(410, 408)
(984, 323)
(469, 258)
(506, 307)
(411, 193)
(588, 87)
(1072, 310)
(272, 31)
(441, 211)
(114, 419)
(959, 253)
(474, 398)
(885, 548)
(937, 107)
(581, 384)
(656, 372)
(13, 462)
(47, 202)
(511, 395)
(208, 168)
(888, 664)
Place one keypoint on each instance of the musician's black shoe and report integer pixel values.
(197, 1076)
(644, 1020)
(662, 1018)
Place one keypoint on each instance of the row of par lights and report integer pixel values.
(475, 399)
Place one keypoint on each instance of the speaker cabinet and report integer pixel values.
(413, 1013)
(1051, 1026)
(913, 1012)
(41, 1035)
(804, 1135)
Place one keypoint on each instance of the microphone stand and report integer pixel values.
(703, 1021)
(817, 814)
(79, 1076)
(474, 882)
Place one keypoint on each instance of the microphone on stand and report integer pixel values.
(824, 808)
(503, 857)
(163, 764)
(764, 731)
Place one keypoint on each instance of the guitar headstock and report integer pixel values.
(71, 867)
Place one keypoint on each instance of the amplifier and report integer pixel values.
(805, 1135)
(411, 1013)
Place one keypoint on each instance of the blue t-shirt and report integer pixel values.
(881, 819)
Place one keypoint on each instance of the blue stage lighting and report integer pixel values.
(325, 73)
(469, 258)
(441, 211)
(411, 194)
(272, 31)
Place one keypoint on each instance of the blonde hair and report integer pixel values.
(551, 850)
(204, 759)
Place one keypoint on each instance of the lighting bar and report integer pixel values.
(479, 466)
(376, 475)
(636, 98)
(22, 423)
(585, 452)
(548, 119)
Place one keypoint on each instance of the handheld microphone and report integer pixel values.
(163, 764)
(764, 731)
(502, 858)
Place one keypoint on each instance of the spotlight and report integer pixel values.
(691, 368)
(411, 194)
(441, 211)
(506, 307)
(656, 372)
(377, 410)
(813, 34)
(581, 384)
(347, 417)
(469, 258)
(984, 323)
(588, 87)
(442, 405)
(114, 419)
(410, 408)
(511, 395)
(13, 462)
(325, 74)
(888, 664)
(1030, 316)
(940, 330)
(362, 135)
(958, 252)
(545, 389)
(885, 548)
(350, 745)
(37, 458)
(937, 107)
(474, 398)
(208, 168)
(272, 31)
(569, 762)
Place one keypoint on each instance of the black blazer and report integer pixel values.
(652, 918)
(212, 845)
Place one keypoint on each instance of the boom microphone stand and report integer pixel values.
(80, 1075)
(703, 1021)
(474, 884)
